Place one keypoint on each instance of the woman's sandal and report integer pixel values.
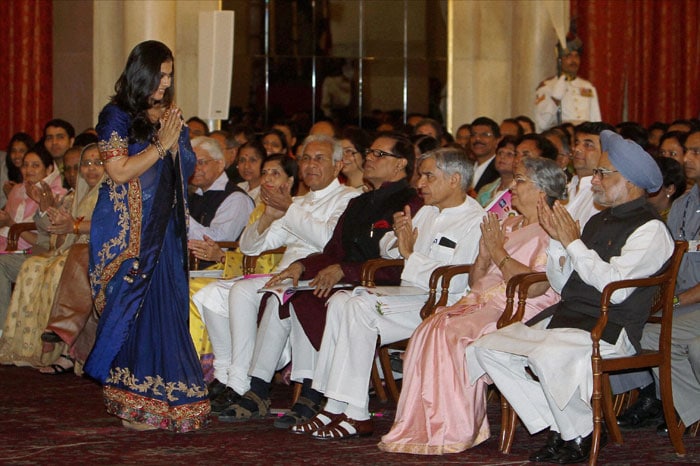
(58, 369)
(337, 429)
(138, 426)
(320, 420)
(238, 413)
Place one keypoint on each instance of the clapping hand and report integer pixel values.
(558, 223)
(405, 233)
(41, 193)
(492, 235)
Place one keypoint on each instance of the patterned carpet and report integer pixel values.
(60, 420)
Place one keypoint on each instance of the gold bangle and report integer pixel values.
(76, 225)
(159, 148)
(503, 261)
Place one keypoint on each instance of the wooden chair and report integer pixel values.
(520, 283)
(602, 399)
(15, 232)
(660, 357)
(440, 277)
(367, 273)
(249, 262)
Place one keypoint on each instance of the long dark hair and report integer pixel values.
(13, 172)
(139, 80)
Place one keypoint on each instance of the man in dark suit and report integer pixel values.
(483, 141)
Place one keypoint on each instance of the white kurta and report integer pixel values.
(561, 357)
(353, 322)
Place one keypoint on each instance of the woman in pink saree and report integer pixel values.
(439, 411)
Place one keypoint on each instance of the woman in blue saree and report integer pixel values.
(143, 355)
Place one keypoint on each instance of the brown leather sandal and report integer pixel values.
(337, 431)
(313, 424)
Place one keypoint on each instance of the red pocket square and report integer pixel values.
(381, 224)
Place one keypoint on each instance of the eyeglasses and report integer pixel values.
(603, 172)
(350, 152)
(377, 153)
(668, 153)
(203, 162)
(505, 153)
(90, 163)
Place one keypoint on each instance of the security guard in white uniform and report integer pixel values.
(566, 97)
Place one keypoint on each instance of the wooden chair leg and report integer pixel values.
(509, 419)
(609, 411)
(693, 429)
(377, 383)
(675, 431)
(296, 394)
(389, 380)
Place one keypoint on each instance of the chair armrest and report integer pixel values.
(194, 261)
(370, 267)
(665, 279)
(249, 262)
(520, 283)
(15, 231)
(443, 275)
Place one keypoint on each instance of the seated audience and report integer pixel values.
(534, 145)
(672, 144)
(434, 365)
(511, 127)
(279, 172)
(38, 277)
(354, 141)
(303, 225)
(250, 158)
(444, 231)
(197, 127)
(428, 127)
(505, 157)
(684, 224)
(672, 188)
(20, 143)
(59, 135)
(218, 208)
(355, 239)
(275, 142)
(526, 123)
(71, 167)
(626, 240)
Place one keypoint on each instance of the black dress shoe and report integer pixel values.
(579, 449)
(549, 450)
(574, 451)
(225, 399)
(215, 388)
(645, 412)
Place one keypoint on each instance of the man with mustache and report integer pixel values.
(484, 138)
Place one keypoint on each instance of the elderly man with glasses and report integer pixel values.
(627, 240)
